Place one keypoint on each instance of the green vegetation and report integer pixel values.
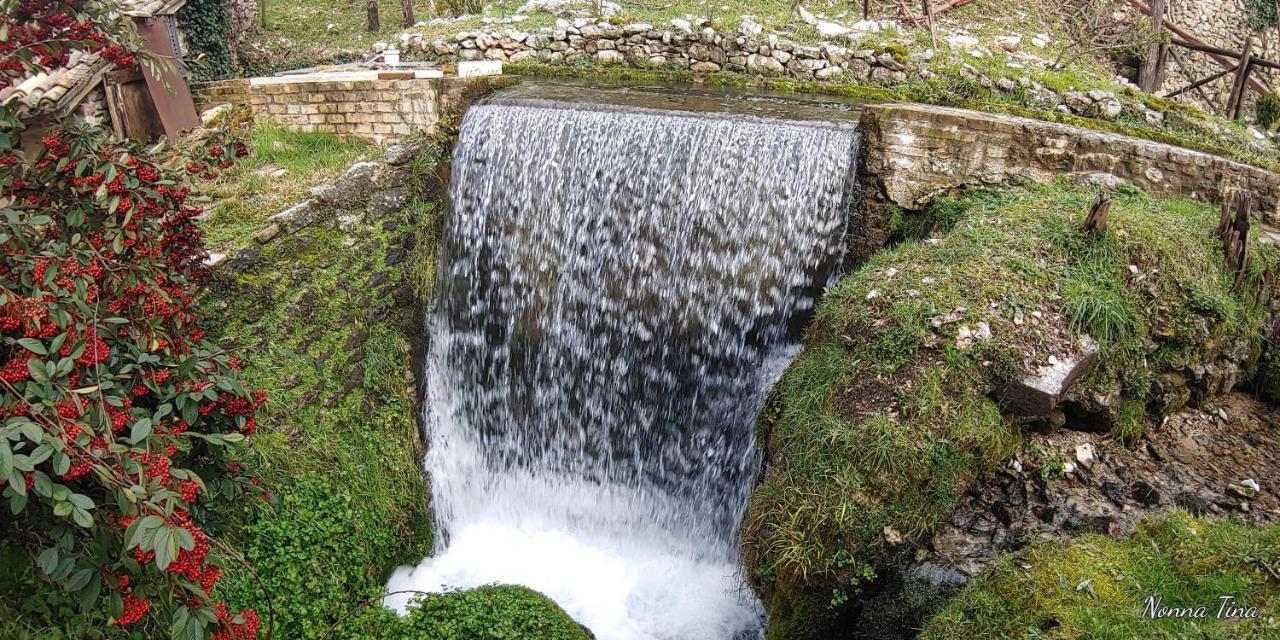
(1096, 587)
(330, 320)
(890, 412)
(247, 194)
(495, 612)
(1267, 377)
(205, 25)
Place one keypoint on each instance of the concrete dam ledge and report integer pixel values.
(912, 153)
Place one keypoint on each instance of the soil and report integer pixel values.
(1206, 460)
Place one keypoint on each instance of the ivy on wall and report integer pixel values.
(1261, 14)
(205, 24)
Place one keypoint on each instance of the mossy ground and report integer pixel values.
(1096, 586)
(891, 410)
(241, 199)
(327, 321)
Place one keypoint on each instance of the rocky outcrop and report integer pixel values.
(1216, 463)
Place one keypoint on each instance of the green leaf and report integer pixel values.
(34, 346)
(140, 430)
(195, 630)
(166, 548)
(33, 432)
(89, 597)
(61, 464)
(185, 539)
(41, 453)
(180, 619)
(62, 509)
(82, 501)
(80, 579)
(48, 560)
(6, 458)
(82, 518)
(17, 502)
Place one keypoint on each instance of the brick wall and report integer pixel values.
(373, 110)
(210, 94)
(915, 153)
(376, 111)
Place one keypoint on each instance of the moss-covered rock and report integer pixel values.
(1098, 587)
(495, 612)
(892, 410)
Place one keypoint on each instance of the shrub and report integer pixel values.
(118, 415)
(500, 612)
(1268, 113)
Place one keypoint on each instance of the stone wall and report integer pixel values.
(1220, 23)
(241, 14)
(372, 110)
(915, 153)
(644, 46)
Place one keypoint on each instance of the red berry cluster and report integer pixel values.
(43, 33)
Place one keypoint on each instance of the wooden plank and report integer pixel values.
(169, 92)
(1201, 82)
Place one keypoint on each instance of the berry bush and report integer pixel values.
(119, 420)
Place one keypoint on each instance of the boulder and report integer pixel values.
(764, 65)
(1038, 394)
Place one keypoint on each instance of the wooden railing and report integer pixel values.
(1238, 64)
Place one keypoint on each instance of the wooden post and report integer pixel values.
(262, 12)
(1096, 220)
(371, 10)
(406, 7)
(1236, 242)
(1224, 218)
(866, 10)
(927, 6)
(1151, 75)
(1236, 101)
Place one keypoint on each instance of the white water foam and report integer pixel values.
(619, 589)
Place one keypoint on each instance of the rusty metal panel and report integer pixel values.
(170, 93)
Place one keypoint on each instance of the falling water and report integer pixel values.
(620, 286)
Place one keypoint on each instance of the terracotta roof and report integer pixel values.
(62, 89)
(148, 8)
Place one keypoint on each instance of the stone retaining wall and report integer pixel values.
(375, 111)
(915, 153)
(644, 46)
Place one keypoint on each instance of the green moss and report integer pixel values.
(889, 413)
(1096, 587)
(326, 323)
(494, 612)
(1267, 376)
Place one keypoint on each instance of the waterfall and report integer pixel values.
(618, 289)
